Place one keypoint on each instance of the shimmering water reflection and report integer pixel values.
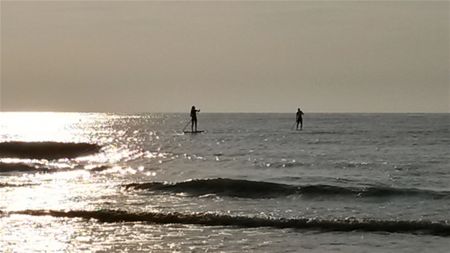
(49, 126)
(397, 163)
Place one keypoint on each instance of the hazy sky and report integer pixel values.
(273, 56)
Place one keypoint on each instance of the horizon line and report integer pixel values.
(222, 112)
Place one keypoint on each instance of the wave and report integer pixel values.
(209, 219)
(22, 167)
(15, 185)
(17, 167)
(220, 186)
(280, 164)
(259, 189)
(46, 150)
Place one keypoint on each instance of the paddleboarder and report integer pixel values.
(194, 118)
(299, 118)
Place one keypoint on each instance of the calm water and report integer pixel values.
(366, 183)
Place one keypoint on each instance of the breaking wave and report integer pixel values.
(209, 219)
(46, 150)
(258, 189)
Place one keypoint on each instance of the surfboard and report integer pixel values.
(194, 132)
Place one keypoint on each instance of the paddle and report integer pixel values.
(186, 125)
(293, 125)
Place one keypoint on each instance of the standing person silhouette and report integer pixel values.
(299, 118)
(194, 118)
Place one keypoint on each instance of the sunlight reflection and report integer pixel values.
(65, 127)
(61, 188)
(44, 234)
(45, 126)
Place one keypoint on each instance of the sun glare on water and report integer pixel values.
(43, 126)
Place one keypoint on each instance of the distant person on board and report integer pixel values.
(299, 118)
(194, 118)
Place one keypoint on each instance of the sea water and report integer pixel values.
(250, 182)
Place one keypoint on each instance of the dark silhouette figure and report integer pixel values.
(194, 118)
(299, 118)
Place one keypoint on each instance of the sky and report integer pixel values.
(228, 56)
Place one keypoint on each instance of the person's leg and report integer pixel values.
(301, 124)
(192, 125)
(195, 125)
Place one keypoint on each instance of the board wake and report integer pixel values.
(193, 132)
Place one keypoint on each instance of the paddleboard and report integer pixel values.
(194, 132)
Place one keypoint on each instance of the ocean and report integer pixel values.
(94, 182)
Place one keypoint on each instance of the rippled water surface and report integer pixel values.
(346, 183)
